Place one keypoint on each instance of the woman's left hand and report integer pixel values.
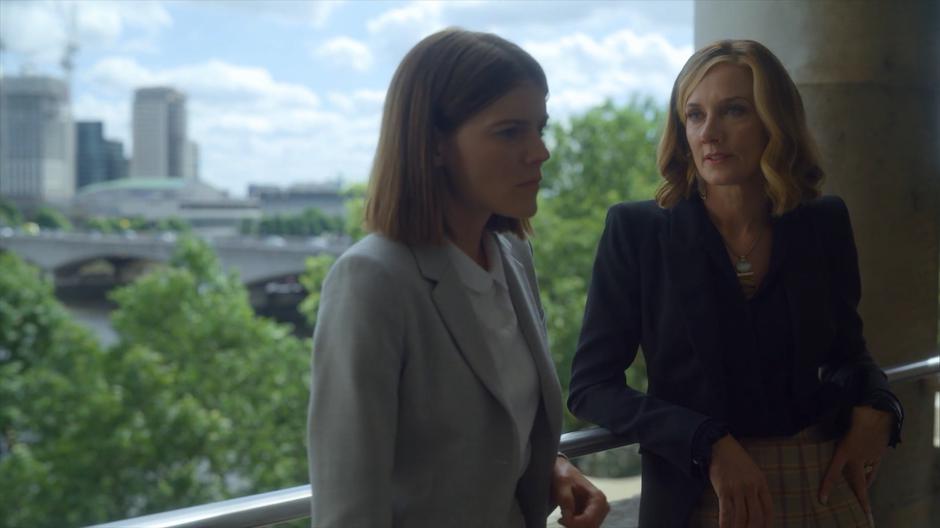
(582, 505)
(859, 454)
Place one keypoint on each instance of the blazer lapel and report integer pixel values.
(454, 306)
(530, 323)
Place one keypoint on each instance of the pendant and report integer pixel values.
(742, 265)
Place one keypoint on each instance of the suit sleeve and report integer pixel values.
(849, 364)
(610, 336)
(352, 420)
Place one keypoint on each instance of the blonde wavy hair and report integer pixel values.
(789, 163)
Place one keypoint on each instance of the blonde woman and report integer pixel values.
(740, 284)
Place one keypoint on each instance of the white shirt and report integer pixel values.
(493, 308)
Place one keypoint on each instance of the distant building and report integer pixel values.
(91, 155)
(97, 159)
(191, 167)
(294, 199)
(207, 209)
(117, 162)
(159, 130)
(37, 140)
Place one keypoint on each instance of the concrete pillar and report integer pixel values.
(869, 74)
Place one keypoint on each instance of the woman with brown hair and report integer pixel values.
(741, 286)
(434, 399)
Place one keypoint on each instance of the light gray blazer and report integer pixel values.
(409, 424)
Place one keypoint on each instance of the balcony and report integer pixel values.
(266, 509)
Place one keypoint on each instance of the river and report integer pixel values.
(94, 315)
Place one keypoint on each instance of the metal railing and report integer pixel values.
(915, 370)
(294, 503)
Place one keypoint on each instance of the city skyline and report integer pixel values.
(47, 157)
(289, 92)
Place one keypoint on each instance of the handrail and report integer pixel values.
(291, 504)
(263, 509)
(915, 370)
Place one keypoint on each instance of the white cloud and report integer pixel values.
(359, 99)
(250, 126)
(322, 153)
(613, 49)
(114, 113)
(120, 72)
(316, 14)
(214, 79)
(414, 14)
(38, 31)
(345, 50)
(584, 70)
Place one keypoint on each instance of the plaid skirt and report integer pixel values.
(794, 467)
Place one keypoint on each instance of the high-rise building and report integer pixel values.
(159, 130)
(97, 159)
(91, 162)
(117, 163)
(37, 140)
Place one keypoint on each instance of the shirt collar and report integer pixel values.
(471, 274)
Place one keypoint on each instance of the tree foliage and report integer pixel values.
(136, 223)
(9, 214)
(49, 218)
(600, 158)
(603, 157)
(198, 401)
(355, 211)
(312, 280)
(56, 404)
(309, 222)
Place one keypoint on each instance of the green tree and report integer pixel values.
(199, 401)
(355, 196)
(309, 222)
(9, 214)
(249, 370)
(49, 218)
(173, 223)
(82, 430)
(100, 224)
(312, 280)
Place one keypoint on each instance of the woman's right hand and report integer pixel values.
(743, 497)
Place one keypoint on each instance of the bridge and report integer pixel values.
(257, 260)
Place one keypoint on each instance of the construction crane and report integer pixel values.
(71, 44)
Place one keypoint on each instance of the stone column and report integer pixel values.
(869, 74)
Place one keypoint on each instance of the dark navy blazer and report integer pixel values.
(654, 286)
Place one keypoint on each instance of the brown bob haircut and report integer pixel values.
(441, 83)
(789, 164)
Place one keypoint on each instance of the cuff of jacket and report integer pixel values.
(886, 401)
(709, 432)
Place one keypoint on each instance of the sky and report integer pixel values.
(290, 91)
